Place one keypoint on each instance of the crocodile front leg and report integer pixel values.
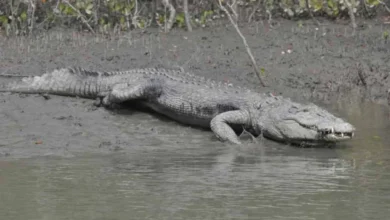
(220, 125)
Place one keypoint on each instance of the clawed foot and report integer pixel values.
(102, 101)
(98, 102)
(246, 133)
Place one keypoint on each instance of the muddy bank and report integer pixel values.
(304, 63)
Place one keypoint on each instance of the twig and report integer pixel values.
(13, 24)
(248, 50)
(134, 17)
(363, 2)
(351, 14)
(31, 15)
(81, 16)
(254, 11)
(187, 15)
(269, 17)
(172, 15)
(233, 8)
(96, 5)
(154, 10)
(384, 4)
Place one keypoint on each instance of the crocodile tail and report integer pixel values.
(38, 84)
(64, 81)
(25, 85)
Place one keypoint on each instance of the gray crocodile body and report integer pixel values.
(195, 101)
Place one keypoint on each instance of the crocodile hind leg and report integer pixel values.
(221, 128)
(125, 92)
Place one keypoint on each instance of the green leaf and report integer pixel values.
(331, 4)
(300, 23)
(68, 10)
(131, 5)
(62, 7)
(118, 7)
(80, 4)
(102, 21)
(122, 20)
(302, 3)
(373, 2)
(317, 5)
(3, 20)
(161, 19)
(204, 16)
(209, 12)
(89, 8)
(141, 24)
(23, 16)
(128, 7)
(180, 19)
(262, 71)
(385, 34)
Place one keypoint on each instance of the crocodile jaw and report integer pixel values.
(303, 125)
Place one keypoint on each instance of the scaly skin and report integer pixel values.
(195, 101)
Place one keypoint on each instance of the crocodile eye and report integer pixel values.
(293, 109)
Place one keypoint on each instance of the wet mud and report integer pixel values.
(325, 65)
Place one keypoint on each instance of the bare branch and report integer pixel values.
(172, 15)
(351, 14)
(31, 15)
(187, 15)
(384, 4)
(134, 18)
(269, 17)
(254, 11)
(96, 5)
(248, 50)
(233, 8)
(127, 13)
(154, 10)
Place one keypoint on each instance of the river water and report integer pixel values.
(266, 180)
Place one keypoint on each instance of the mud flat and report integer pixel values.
(305, 63)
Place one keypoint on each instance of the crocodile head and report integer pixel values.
(306, 125)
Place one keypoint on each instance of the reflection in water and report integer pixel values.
(262, 181)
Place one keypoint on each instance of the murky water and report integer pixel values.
(199, 181)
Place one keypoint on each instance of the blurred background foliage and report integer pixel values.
(19, 17)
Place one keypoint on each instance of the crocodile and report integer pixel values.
(196, 101)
